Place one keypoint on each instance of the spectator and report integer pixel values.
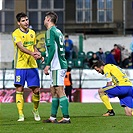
(124, 57)
(68, 84)
(130, 63)
(110, 58)
(93, 60)
(117, 54)
(68, 47)
(101, 55)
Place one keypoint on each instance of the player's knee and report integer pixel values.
(100, 91)
(128, 111)
(60, 91)
(36, 90)
(19, 88)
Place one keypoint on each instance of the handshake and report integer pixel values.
(37, 55)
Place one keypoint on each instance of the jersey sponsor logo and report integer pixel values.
(28, 43)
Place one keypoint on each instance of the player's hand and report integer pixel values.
(42, 59)
(46, 70)
(36, 55)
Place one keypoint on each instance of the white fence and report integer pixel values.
(80, 78)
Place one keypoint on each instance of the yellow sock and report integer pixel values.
(19, 102)
(36, 100)
(106, 101)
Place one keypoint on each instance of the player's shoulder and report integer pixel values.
(110, 66)
(31, 31)
(15, 31)
(107, 66)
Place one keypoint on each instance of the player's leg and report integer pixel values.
(54, 106)
(58, 82)
(33, 82)
(64, 104)
(126, 99)
(104, 97)
(125, 96)
(20, 102)
(128, 111)
(36, 101)
(70, 93)
(19, 82)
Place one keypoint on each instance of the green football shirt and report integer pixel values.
(54, 40)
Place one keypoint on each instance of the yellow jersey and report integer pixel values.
(21, 59)
(118, 76)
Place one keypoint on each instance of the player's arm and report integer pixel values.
(38, 53)
(51, 48)
(23, 49)
(51, 51)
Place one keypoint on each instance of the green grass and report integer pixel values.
(85, 118)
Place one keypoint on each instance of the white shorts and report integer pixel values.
(57, 77)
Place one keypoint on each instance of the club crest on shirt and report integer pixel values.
(31, 35)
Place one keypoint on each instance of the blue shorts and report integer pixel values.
(124, 93)
(31, 76)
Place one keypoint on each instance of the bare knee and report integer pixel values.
(128, 111)
(60, 91)
(36, 90)
(19, 88)
(101, 92)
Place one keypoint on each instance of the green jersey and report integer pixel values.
(54, 40)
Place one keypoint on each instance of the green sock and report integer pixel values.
(64, 106)
(55, 105)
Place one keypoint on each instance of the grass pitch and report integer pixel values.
(85, 118)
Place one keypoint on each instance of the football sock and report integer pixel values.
(64, 106)
(106, 101)
(19, 102)
(54, 107)
(35, 100)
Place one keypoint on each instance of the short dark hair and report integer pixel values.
(115, 45)
(112, 50)
(53, 16)
(20, 15)
(66, 35)
(98, 64)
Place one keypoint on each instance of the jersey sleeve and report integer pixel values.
(16, 38)
(50, 42)
(34, 34)
(107, 74)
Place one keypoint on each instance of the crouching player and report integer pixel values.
(121, 87)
